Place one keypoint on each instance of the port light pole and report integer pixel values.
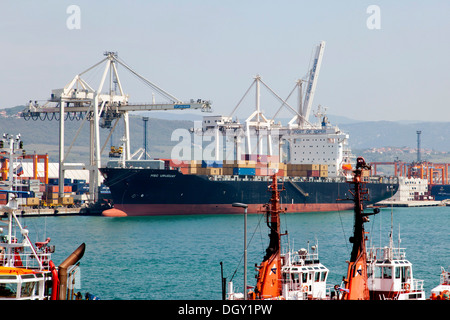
(243, 205)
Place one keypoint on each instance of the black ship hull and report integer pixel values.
(440, 192)
(147, 192)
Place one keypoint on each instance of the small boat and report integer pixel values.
(355, 285)
(442, 291)
(27, 271)
(294, 275)
(391, 275)
(376, 273)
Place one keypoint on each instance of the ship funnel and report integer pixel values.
(62, 269)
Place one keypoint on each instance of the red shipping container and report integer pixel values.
(184, 170)
(52, 188)
(262, 171)
(313, 173)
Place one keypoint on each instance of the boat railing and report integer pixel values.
(27, 261)
(445, 277)
(415, 285)
(304, 259)
(386, 180)
(386, 253)
(418, 284)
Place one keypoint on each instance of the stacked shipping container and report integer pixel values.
(251, 165)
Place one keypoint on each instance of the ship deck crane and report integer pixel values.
(304, 107)
(258, 125)
(80, 100)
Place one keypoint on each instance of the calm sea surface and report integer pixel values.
(155, 258)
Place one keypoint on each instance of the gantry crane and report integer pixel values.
(257, 124)
(101, 109)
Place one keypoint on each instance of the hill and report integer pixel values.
(43, 136)
(366, 138)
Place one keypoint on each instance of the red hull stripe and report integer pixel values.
(194, 209)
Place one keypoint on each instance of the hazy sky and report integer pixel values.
(213, 49)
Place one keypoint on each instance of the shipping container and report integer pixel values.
(51, 195)
(262, 171)
(55, 181)
(244, 171)
(227, 171)
(214, 171)
(324, 173)
(313, 173)
(66, 200)
(32, 201)
(80, 187)
(184, 170)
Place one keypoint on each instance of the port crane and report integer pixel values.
(257, 124)
(78, 99)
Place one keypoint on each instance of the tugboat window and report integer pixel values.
(27, 289)
(397, 273)
(317, 277)
(387, 274)
(8, 290)
(378, 272)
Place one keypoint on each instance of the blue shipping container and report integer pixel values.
(55, 181)
(83, 187)
(244, 171)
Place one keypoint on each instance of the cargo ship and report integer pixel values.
(440, 192)
(312, 161)
(143, 191)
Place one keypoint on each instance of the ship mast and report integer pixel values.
(356, 286)
(269, 276)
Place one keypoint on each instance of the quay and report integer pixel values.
(422, 203)
(58, 211)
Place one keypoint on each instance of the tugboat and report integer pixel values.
(356, 284)
(27, 271)
(378, 273)
(391, 275)
(442, 291)
(294, 275)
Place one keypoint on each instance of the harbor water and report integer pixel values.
(178, 257)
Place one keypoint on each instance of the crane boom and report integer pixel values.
(312, 81)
